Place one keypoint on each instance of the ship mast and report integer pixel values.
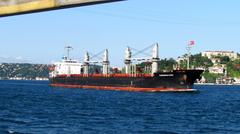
(68, 48)
(155, 58)
(86, 64)
(127, 60)
(105, 62)
(189, 47)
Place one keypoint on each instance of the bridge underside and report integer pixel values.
(15, 7)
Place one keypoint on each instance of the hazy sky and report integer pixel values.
(41, 37)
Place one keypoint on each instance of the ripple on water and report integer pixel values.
(34, 107)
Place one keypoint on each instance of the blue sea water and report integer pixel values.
(35, 107)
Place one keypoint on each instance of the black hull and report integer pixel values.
(178, 79)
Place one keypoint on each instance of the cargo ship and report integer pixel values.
(71, 73)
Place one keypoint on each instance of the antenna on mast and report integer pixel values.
(68, 48)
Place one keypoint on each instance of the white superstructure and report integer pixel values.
(66, 67)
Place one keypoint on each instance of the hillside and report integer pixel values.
(223, 66)
(23, 70)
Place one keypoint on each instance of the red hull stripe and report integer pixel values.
(125, 88)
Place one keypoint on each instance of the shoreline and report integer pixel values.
(212, 84)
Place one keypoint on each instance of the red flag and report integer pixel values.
(191, 43)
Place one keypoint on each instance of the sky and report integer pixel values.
(41, 37)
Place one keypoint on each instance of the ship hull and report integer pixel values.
(177, 80)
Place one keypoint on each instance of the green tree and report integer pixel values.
(224, 59)
(210, 77)
(198, 60)
(164, 64)
(167, 64)
(233, 68)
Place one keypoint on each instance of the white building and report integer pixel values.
(217, 69)
(213, 54)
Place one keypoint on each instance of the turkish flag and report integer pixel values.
(191, 43)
